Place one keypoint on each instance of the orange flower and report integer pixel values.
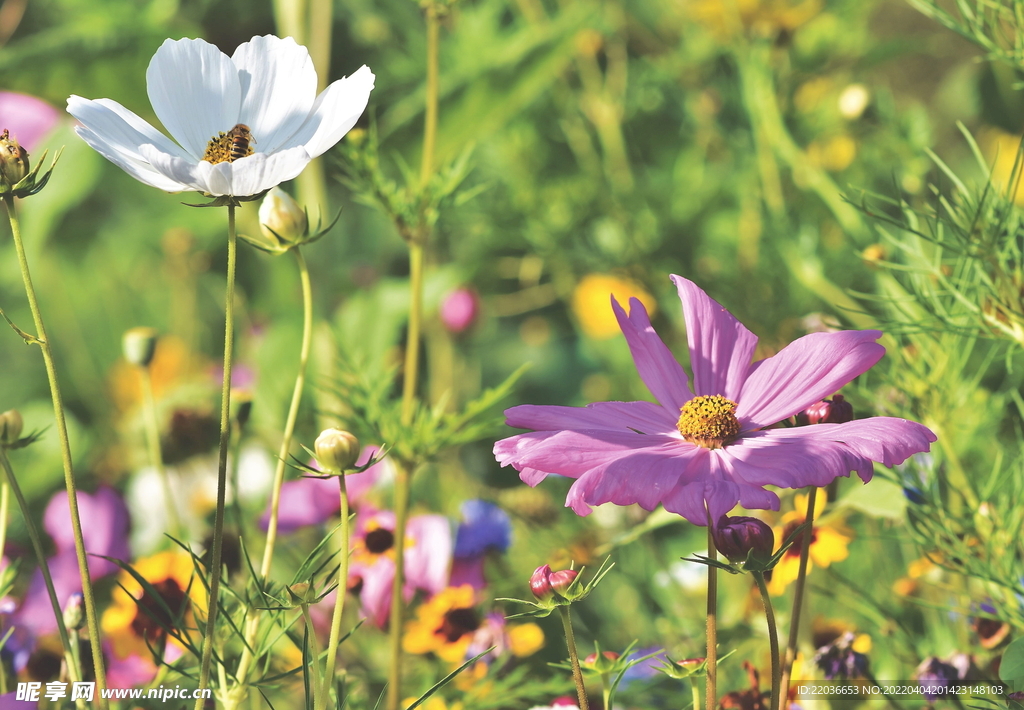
(591, 303)
(444, 625)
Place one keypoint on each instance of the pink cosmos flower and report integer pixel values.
(26, 117)
(702, 451)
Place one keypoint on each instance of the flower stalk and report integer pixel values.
(574, 658)
(773, 640)
(412, 351)
(798, 592)
(222, 465)
(339, 600)
(314, 661)
(65, 449)
(712, 623)
(153, 444)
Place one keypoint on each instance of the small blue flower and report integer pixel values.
(485, 527)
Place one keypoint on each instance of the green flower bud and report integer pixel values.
(336, 449)
(301, 593)
(282, 220)
(11, 424)
(74, 616)
(139, 344)
(14, 165)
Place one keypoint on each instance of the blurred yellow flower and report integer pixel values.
(591, 303)
(761, 17)
(135, 617)
(828, 543)
(172, 363)
(1001, 151)
(434, 703)
(525, 639)
(833, 154)
(444, 625)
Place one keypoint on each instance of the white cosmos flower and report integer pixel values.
(199, 93)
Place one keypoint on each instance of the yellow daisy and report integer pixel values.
(444, 625)
(828, 543)
(591, 303)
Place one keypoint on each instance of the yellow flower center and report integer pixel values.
(230, 146)
(709, 421)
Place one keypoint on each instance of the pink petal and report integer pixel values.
(427, 560)
(805, 371)
(641, 475)
(710, 486)
(104, 519)
(26, 117)
(721, 347)
(662, 374)
(375, 596)
(644, 417)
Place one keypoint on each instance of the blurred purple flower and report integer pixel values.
(643, 670)
(703, 451)
(105, 528)
(428, 554)
(933, 673)
(839, 660)
(314, 501)
(459, 309)
(26, 117)
(485, 527)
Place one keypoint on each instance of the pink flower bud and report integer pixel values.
(562, 580)
(460, 309)
(741, 536)
(540, 584)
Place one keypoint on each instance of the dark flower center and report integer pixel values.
(457, 623)
(379, 541)
(152, 618)
(709, 421)
(798, 544)
(230, 146)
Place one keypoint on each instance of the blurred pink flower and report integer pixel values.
(459, 309)
(26, 117)
(428, 555)
(313, 501)
(105, 528)
(711, 446)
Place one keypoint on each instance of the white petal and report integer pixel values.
(120, 128)
(138, 169)
(278, 84)
(336, 110)
(184, 171)
(195, 92)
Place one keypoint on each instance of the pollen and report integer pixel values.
(709, 421)
(221, 149)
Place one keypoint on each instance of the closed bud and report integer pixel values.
(834, 411)
(14, 164)
(301, 592)
(74, 617)
(602, 663)
(139, 345)
(741, 537)
(562, 580)
(11, 425)
(540, 583)
(243, 398)
(336, 449)
(282, 219)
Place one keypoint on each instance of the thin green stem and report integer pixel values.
(710, 690)
(606, 691)
(314, 661)
(222, 467)
(773, 640)
(433, 78)
(339, 601)
(574, 658)
(44, 567)
(5, 503)
(65, 451)
(252, 625)
(412, 346)
(798, 593)
(695, 692)
(394, 697)
(293, 411)
(156, 458)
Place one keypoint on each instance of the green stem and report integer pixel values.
(293, 411)
(339, 601)
(574, 659)
(712, 625)
(252, 626)
(433, 76)
(773, 641)
(606, 691)
(798, 593)
(155, 454)
(695, 691)
(222, 466)
(402, 475)
(5, 502)
(44, 567)
(65, 452)
(314, 661)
